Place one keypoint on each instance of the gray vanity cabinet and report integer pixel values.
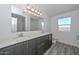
(50, 39)
(31, 47)
(36, 46)
(43, 43)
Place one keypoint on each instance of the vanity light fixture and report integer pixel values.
(32, 10)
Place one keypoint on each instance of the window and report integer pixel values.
(64, 24)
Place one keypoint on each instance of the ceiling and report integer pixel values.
(54, 9)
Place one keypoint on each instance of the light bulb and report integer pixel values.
(36, 11)
(25, 10)
(29, 12)
(40, 13)
(32, 9)
(28, 7)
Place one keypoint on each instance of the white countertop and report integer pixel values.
(8, 42)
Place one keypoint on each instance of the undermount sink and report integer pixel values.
(31, 34)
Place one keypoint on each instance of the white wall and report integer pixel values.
(47, 26)
(67, 37)
(5, 22)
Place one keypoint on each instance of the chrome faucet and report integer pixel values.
(20, 35)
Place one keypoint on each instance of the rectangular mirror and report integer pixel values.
(35, 24)
(18, 23)
(23, 21)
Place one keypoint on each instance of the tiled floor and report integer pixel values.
(62, 49)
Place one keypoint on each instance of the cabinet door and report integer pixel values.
(31, 47)
(50, 39)
(16, 49)
(41, 49)
(43, 44)
(6, 51)
(25, 48)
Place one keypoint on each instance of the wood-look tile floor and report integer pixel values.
(62, 49)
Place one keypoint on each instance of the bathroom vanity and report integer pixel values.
(34, 45)
(26, 44)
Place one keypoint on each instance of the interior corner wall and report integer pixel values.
(47, 26)
(67, 37)
(5, 21)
